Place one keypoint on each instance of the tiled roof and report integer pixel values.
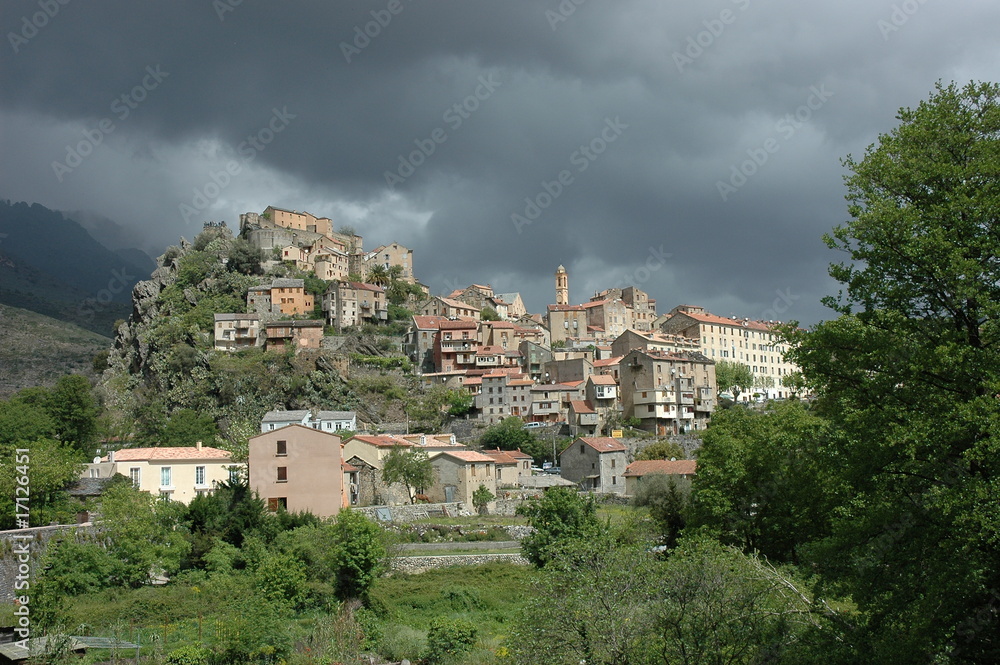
(565, 308)
(363, 286)
(723, 321)
(473, 381)
(458, 304)
(500, 456)
(520, 382)
(380, 440)
(458, 324)
(603, 444)
(570, 384)
(287, 282)
(603, 380)
(490, 351)
(607, 362)
(347, 468)
(468, 455)
(169, 453)
(581, 406)
(517, 454)
(428, 322)
(684, 467)
(304, 415)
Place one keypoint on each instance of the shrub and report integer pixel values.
(399, 642)
(189, 654)
(449, 638)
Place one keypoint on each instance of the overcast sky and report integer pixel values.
(693, 151)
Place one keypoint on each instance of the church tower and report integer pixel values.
(562, 286)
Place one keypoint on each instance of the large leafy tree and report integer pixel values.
(734, 377)
(911, 372)
(561, 515)
(767, 481)
(360, 556)
(410, 467)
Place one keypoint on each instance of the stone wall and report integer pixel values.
(39, 541)
(408, 513)
(419, 564)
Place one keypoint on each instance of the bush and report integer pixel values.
(399, 642)
(449, 638)
(189, 654)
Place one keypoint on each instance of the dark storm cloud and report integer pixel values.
(473, 107)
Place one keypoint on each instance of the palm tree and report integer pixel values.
(378, 275)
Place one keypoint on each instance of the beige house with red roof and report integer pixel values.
(458, 474)
(566, 322)
(298, 468)
(595, 463)
(753, 343)
(448, 308)
(512, 466)
(175, 473)
(636, 471)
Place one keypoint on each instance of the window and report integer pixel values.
(282, 474)
(234, 475)
(199, 475)
(281, 448)
(135, 474)
(614, 480)
(165, 477)
(277, 503)
(473, 470)
(582, 450)
(612, 464)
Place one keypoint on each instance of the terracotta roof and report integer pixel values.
(380, 440)
(458, 304)
(500, 456)
(467, 455)
(520, 382)
(348, 468)
(603, 444)
(581, 406)
(723, 321)
(603, 380)
(517, 454)
(570, 384)
(177, 453)
(236, 317)
(490, 351)
(364, 286)
(458, 324)
(473, 381)
(428, 322)
(607, 362)
(594, 303)
(682, 467)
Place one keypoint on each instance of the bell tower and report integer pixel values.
(562, 286)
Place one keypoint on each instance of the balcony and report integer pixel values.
(687, 399)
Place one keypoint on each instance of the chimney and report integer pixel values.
(111, 456)
(197, 446)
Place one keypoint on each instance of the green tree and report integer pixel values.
(795, 382)
(22, 421)
(509, 434)
(360, 556)
(378, 274)
(734, 377)
(74, 410)
(662, 449)
(489, 314)
(910, 372)
(593, 605)
(49, 466)
(765, 479)
(481, 497)
(245, 258)
(142, 537)
(668, 498)
(560, 515)
(410, 467)
(448, 638)
(187, 427)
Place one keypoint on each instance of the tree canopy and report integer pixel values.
(734, 377)
(410, 467)
(910, 372)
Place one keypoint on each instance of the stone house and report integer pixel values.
(235, 331)
(353, 303)
(283, 296)
(595, 463)
(299, 335)
(458, 474)
(670, 393)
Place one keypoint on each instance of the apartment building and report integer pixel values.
(283, 296)
(235, 331)
(671, 393)
(753, 343)
(354, 303)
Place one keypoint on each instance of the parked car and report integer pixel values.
(532, 425)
